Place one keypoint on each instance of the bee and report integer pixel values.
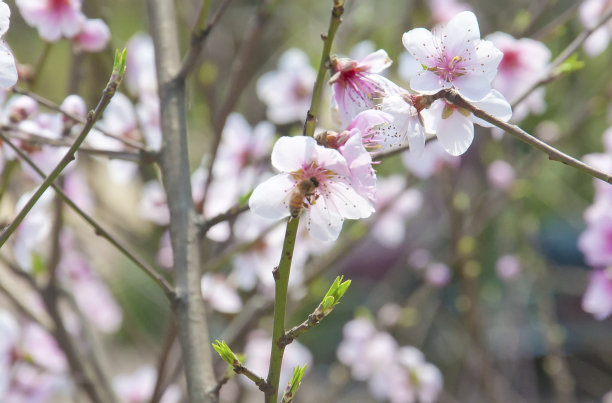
(305, 189)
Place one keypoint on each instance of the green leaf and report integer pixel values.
(294, 383)
(38, 264)
(225, 352)
(333, 296)
(570, 65)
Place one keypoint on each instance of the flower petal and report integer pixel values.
(324, 222)
(455, 133)
(494, 104)
(461, 29)
(376, 62)
(270, 198)
(420, 43)
(291, 153)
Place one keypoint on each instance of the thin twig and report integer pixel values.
(158, 390)
(238, 79)
(228, 215)
(92, 116)
(55, 107)
(158, 278)
(552, 72)
(199, 34)
(553, 154)
(35, 139)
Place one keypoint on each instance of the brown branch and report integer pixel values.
(98, 229)
(199, 36)
(142, 156)
(55, 107)
(174, 163)
(455, 98)
(238, 80)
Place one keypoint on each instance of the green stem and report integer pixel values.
(6, 176)
(281, 277)
(334, 23)
(92, 116)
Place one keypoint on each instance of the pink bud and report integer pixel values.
(94, 35)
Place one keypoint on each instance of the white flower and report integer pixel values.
(453, 56)
(454, 126)
(332, 199)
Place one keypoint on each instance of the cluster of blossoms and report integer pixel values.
(596, 240)
(330, 177)
(55, 19)
(394, 373)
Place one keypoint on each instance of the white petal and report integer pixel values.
(472, 87)
(270, 198)
(8, 70)
(324, 221)
(331, 159)
(290, 153)
(377, 61)
(494, 104)
(5, 14)
(455, 133)
(348, 202)
(427, 82)
(420, 43)
(462, 28)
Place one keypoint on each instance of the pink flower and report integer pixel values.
(53, 18)
(396, 204)
(357, 84)
(508, 267)
(220, 294)
(406, 127)
(590, 12)
(437, 274)
(288, 91)
(94, 35)
(596, 241)
(154, 204)
(138, 387)
(257, 357)
(431, 161)
(140, 74)
(525, 61)
(597, 299)
(443, 11)
(453, 56)
(454, 127)
(327, 201)
(8, 70)
(501, 175)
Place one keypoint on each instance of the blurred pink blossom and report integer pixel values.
(501, 175)
(525, 61)
(444, 10)
(53, 18)
(590, 12)
(597, 299)
(220, 294)
(138, 386)
(508, 267)
(8, 69)
(257, 357)
(431, 161)
(94, 35)
(437, 274)
(288, 91)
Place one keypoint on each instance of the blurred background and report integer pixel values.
(469, 279)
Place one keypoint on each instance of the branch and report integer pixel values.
(334, 23)
(199, 34)
(32, 138)
(453, 97)
(55, 107)
(237, 81)
(552, 72)
(158, 278)
(174, 163)
(228, 215)
(92, 116)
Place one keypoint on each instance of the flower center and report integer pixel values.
(510, 61)
(448, 69)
